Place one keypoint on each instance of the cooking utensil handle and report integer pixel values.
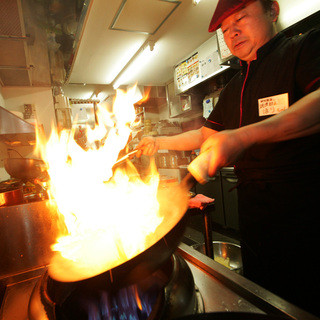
(122, 160)
(199, 167)
(125, 157)
(188, 181)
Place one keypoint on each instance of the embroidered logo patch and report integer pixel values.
(273, 105)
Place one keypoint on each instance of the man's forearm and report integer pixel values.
(189, 140)
(300, 120)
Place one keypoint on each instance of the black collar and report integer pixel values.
(267, 47)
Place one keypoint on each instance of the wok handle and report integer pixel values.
(124, 158)
(199, 167)
(198, 171)
(188, 181)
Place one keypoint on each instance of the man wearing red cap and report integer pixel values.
(267, 123)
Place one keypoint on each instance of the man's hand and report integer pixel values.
(222, 149)
(148, 146)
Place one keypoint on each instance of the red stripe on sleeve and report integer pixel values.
(309, 86)
(219, 124)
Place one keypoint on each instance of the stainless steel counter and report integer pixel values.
(225, 290)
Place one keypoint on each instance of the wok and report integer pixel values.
(173, 206)
(166, 239)
(142, 265)
(128, 273)
(24, 168)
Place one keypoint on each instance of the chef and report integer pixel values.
(267, 124)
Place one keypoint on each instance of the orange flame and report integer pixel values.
(146, 96)
(138, 300)
(108, 221)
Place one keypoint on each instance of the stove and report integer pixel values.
(187, 283)
(166, 294)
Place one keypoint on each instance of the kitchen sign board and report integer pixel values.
(187, 71)
(198, 66)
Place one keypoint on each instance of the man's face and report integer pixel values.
(246, 30)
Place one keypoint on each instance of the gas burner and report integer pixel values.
(167, 293)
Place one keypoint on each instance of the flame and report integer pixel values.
(109, 217)
(145, 97)
(138, 300)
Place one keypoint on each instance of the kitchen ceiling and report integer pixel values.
(115, 31)
(110, 36)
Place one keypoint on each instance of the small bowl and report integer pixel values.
(225, 253)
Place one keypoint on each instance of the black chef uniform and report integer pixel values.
(278, 182)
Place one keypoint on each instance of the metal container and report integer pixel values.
(27, 232)
(24, 168)
(226, 253)
(11, 197)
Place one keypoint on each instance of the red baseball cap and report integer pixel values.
(223, 10)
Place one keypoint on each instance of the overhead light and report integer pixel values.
(124, 55)
(297, 11)
(136, 64)
(195, 2)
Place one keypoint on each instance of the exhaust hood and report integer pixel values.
(15, 131)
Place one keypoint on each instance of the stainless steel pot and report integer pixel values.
(226, 253)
